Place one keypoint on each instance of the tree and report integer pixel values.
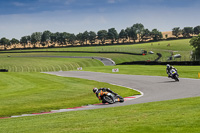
(14, 41)
(45, 38)
(71, 38)
(156, 35)
(53, 37)
(197, 30)
(187, 31)
(166, 36)
(102, 35)
(25, 40)
(123, 35)
(62, 38)
(28, 39)
(57, 35)
(139, 29)
(195, 42)
(113, 35)
(58, 38)
(86, 36)
(176, 31)
(92, 37)
(146, 34)
(67, 35)
(128, 33)
(5, 42)
(134, 33)
(80, 38)
(131, 33)
(36, 37)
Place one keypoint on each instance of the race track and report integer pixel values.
(154, 88)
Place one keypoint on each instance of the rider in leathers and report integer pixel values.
(168, 69)
(97, 91)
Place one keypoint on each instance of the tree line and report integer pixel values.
(186, 31)
(137, 32)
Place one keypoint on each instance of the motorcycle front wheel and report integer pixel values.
(176, 78)
(107, 99)
(121, 99)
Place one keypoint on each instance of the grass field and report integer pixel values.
(26, 91)
(41, 64)
(174, 116)
(37, 92)
(37, 88)
(118, 58)
(152, 70)
(181, 46)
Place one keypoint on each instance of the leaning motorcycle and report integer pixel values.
(110, 98)
(174, 75)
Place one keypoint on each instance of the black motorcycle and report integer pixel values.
(110, 98)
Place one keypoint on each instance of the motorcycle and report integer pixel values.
(174, 75)
(110, 98)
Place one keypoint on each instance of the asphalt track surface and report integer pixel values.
(154, 88)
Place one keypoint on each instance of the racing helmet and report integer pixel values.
(95, 90)
(168, 66)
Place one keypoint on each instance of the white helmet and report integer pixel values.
(95, 90)
(168, 66)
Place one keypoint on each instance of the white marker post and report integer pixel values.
(80, 68)
(115, 70)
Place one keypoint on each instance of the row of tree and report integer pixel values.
(186, 31)
(133, 33)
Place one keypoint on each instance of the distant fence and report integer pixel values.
(161, 63)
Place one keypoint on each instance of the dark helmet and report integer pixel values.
(95, 90)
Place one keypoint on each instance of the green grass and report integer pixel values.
(118, 58)
(174, 116)
(41, 64)
(23, 93)
(36, 92)
(152, 70)
(180, 46)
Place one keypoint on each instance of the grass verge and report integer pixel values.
(152, 70)
(41, 64)
(174, 116)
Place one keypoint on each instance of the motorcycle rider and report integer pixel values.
(168, 69)
(97, 91)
